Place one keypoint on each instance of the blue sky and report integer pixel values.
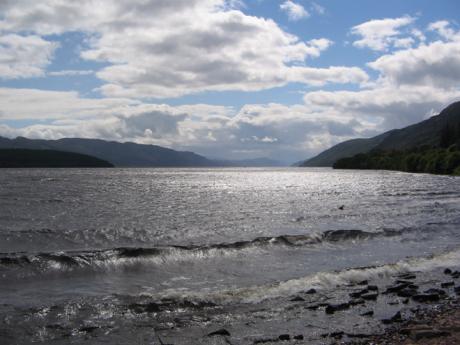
(235, 79)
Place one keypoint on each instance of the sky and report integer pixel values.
(231, 79)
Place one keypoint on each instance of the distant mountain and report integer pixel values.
(254, 162)
(119, 154)
(425, 133)
(26, 158)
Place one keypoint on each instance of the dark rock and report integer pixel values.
(316, 306)
(359, 335)
(363, 282)
(297, 299)
(89, 329)
(298, 337)
(406, 301)
(221, 331)
(152, 307)
(435, 291)
(356, 301)
(337, 335)
(368, 313)
(426, 298)
(407, 276)
(357, 294)
(311, 291)
(332, 308)
(407, 292)
(370, 296)
(417, 335)
(447, 284)
(395, 318)
(342, 207)
(456, 275)
(447, 271)
(284, 337)
(457, 290)
(373, 288)
(396, 288)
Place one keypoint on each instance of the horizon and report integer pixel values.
(226, 79)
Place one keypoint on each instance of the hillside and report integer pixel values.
(26, 158)
(119, 154)
(425, 133)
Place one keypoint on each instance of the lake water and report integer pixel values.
(133, 256)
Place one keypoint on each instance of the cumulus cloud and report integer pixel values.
(437, 64)
(159, 48)
(24, 56)
(294, 11)
(379, 34)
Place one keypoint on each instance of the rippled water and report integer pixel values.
(127, 255)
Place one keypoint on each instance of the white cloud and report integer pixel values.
(294, 11)
(70, 73)
(24, 56)
(379, 34)
(443, 28)
(437, 64)
(159, 48)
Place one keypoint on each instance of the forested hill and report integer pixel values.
(25, 158)
(436, 132)
(119, 154)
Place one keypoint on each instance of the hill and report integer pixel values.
(119, 154)
(426, 133)
(26, 158)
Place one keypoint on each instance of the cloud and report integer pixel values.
(24, 56)
(436, 64)
(379, 34)
(294, 11)
(443, 28)
(162, 49)
(66, 73)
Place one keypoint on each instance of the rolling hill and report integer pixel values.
(425, 133)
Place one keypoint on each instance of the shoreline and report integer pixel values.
(438, 325)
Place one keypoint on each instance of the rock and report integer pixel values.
(457, 290)
(447, 271)
(311, 291)
(337, 335)
(407, 276)
(298, 337)
(417, 335)
(358, 294)
(297, 299)
(368, 313)
(342, 207)
(456, 275)
(407, 292)
(406, 301)
(221, 331)
(447, 284)
(363, 282)
(284, 337)
(396, 288)
(395, 318)
(316, 306)
(370, 296)
(435, 291)
(426, 297)
(356, 301)
(89, 329)
(332, 308)
(373, 288)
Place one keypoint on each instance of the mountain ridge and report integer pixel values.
(424, 133)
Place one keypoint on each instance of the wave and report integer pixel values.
(103, 260)
(320, 281)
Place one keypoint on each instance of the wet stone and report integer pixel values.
(447, 284)
(284, 337)
(222, 332)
